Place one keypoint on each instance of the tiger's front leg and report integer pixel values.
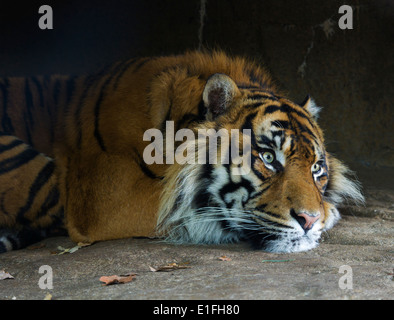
(108, 197)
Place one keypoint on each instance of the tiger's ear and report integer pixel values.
(218, 94)
(310, 105)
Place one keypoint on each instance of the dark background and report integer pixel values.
(348, 72)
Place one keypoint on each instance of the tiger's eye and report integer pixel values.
(267, 157)
(316, 168)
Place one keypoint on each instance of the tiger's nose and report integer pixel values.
(306, 220)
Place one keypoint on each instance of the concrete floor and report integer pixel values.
(363, 240)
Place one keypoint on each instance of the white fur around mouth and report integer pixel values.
(287, 243)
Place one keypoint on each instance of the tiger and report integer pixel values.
(73, 157)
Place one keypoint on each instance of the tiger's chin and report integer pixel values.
(295, 240)
(285, 243)
(229, 230)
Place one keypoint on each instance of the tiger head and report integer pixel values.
(286, 198)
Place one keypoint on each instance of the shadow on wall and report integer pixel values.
(348, 72)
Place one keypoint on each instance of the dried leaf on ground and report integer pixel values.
(225, 258)
(169, 267)
(117, 279)
(71, 250)
(48, 296)
(5, 275)
(84, 244)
